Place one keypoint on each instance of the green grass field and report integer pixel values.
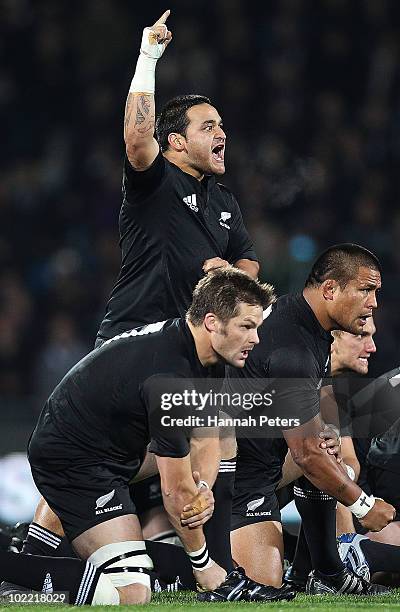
(183, 601)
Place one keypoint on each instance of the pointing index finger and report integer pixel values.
(162, 19)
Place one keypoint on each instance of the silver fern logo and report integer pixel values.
(104, 499)
(256, 503)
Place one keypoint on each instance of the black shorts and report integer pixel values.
(146, 494)
(255, 505)
(385, 484)
(82, 490)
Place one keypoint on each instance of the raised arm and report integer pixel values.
(139, 123)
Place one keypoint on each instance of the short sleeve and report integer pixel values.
(240, 246)
(139, 185)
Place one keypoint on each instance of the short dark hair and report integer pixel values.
(221, 292)
(341, 263)
(173, 117)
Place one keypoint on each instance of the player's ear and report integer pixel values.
(176, 141)
(211, 322)
(328, 288)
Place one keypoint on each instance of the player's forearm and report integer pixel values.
(139, 120)
(175, 499)
(252, 268)
(205, 456)
(326, 474)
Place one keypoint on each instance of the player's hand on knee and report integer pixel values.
(156, 37)
(214, 264)
(209, 579)
(330, 440)
(380, 515)
(199, 510)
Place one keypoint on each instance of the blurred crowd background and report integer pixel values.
(310, 98)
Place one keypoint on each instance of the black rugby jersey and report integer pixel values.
(101, 407)
(169, 224)
(293, 347)
(292, 358)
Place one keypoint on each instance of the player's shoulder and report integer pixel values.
(227, 194)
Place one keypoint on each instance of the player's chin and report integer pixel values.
(240, 360)
(361, 366)
(217, 167)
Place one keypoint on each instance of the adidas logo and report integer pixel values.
(191, 201)
(47, 584)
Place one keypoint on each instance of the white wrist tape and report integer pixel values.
(144, 80)
(362, 505)
(200, 559)
(350, 472)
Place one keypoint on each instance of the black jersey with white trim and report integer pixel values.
(101, 407)
(169, 223)
(293, 347)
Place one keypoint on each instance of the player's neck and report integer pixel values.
(183, 164)
(336, 367)
(204, 349)
(313, 299)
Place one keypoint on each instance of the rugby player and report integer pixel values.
(370, 412)
(92, 434)
(340, 293)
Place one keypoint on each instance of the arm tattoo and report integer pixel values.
(144, 119)
(128, 110)
(142, 109)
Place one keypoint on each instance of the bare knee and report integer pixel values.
(134, 594)
(45, 517)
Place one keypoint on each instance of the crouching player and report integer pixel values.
(92, 435)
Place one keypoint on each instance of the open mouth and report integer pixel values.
(364, 318)
(363, 360)
(218, 153)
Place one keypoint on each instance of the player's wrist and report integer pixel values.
(144, 79)
(363, 504)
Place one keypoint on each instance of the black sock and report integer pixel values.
(218, 529)
(302, 560)
(171, 561)
(381, 557)
(318, 514)
(42, 541)
(48, 574)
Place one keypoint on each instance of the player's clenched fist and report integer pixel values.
(380, 515)
(156, 37)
